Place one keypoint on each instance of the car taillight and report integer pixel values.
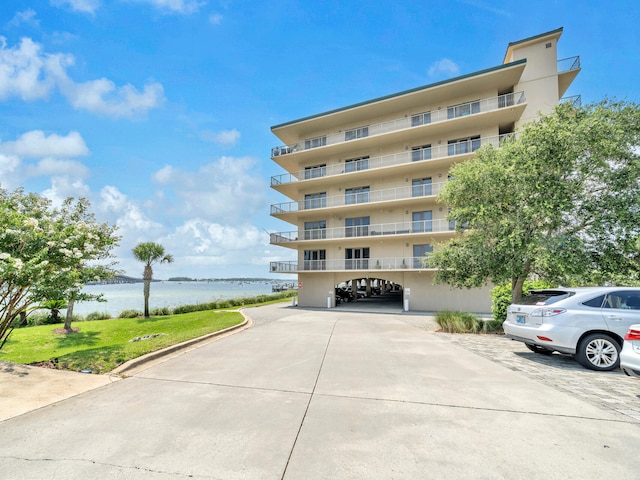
(632, 334)
(547, 312)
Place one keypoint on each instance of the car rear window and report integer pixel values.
(544, 297)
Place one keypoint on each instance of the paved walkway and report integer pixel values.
(325, 394)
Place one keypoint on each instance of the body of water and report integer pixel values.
(130, 296)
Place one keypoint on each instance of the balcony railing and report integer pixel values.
(568, 64)
(575, 100)
(374, 230)
(368, 264)
(424, 154)
(389, 194)
(433, 116)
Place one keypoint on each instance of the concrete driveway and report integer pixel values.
(323, 395)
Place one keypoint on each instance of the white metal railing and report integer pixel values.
(424, 154)
(389, 194)
(359, 231)
(424, 118)
(390, 263)
(568, 64)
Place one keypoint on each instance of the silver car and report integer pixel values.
(630, 354)
(589, 323)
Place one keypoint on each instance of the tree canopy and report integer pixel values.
(48, 253)
(559, 201)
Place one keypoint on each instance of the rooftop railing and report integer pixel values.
(423, 154)
(424, 118)
(369, 264)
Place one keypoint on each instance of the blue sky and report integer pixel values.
(159, 111)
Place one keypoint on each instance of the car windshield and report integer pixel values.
(544, 297)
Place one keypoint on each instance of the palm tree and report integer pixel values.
(149, 253)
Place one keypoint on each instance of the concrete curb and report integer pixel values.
(136, 363)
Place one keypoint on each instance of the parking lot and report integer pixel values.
(612, 391)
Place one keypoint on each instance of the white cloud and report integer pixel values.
(215, 18)
(9, 167)
(222, 191)
(27, 17)
(443, 68)
(175, 6)
(55, 168)
(84, 6)
(21, 71)
(36, 144)
(223, 137)
(63, 187)
(103, 97)
(29, 73)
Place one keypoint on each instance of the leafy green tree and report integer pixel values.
(47, 253)
(150, 253)
(560, 201)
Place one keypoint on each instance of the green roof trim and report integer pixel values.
(540, 35)
(404, 92)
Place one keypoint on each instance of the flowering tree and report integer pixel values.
(47, 253)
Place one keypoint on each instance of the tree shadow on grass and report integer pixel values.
(97, 360)
(77, 339)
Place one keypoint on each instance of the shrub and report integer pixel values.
(161, 311)
(98, 316)
(458, 322)
(501, 297)
(130, 314)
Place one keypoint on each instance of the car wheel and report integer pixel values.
(598, 352)
(538, 349)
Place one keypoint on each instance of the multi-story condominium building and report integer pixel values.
(363, 180)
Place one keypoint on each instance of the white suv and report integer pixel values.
(589, 323)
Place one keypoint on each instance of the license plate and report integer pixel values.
(521, 319)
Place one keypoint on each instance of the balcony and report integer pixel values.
(361, 198)
(412, 121)
(568, 64)
(350, 265)
(433, 153)
(568, 69)
(363, 231)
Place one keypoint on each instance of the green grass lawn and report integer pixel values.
(102, 345)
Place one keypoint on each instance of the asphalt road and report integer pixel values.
(324, 395)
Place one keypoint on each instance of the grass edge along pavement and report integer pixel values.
(100, 346)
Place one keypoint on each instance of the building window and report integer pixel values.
(421, 221)
(356, 227)
(421, 187)
(463, 110)
(356, 195)
(356, 258)
(315, 171)
(356, 164)
(356, 133)
(315, 200)
(420, 119)
(315, 230)
(421, 153)
(463, 145)
(315, 259)
(505, 100)
(421, 254)
(315, 142)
